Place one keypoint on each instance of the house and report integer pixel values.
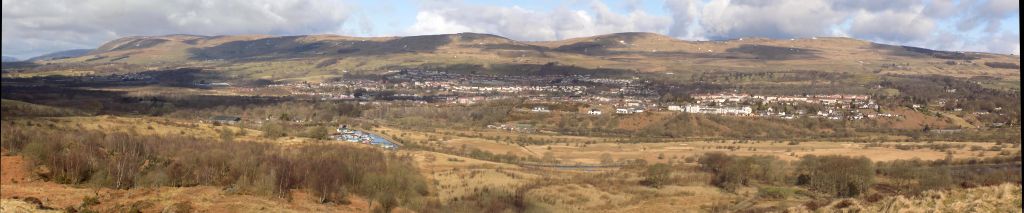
(223, 119)
(692, 109)
(623, 111)
(675, 108)
(594, 112)
(541, 109)
(527, 128)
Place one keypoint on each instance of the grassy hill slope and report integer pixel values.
(282, 57)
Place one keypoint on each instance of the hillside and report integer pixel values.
(280, 57)
(61, 55)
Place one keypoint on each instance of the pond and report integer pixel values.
(357, 136)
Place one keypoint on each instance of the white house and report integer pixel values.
(594, 112)
(692, 108)
(541, 109)
(675, 108)
(623, 111)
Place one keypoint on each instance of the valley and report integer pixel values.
(626, 122)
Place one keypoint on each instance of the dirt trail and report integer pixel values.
(13, 170)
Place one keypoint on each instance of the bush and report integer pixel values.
(775, 193)
(127, 160)
(731, 172)
(657, 175)
(495, 200)
(838, 175)
(89, 201)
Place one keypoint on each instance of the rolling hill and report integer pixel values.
(61, 55)
(283, 57)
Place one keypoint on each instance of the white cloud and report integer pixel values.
(723, 19)
(988, 13)
(877, 6)
(429, 22)
(941, 8)
(40, 26)
(1006, 42)
(938, 24)
(683, 14)
(892, 26)
(524, 24)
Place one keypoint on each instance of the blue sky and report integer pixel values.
(33, 27)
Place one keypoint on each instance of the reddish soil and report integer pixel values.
(13, 170)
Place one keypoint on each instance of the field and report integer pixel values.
(587, 150)
(578, 189)
(473, 170)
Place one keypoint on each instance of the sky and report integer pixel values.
(35, 27)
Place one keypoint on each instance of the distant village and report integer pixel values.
(616, 96)
(602, 95)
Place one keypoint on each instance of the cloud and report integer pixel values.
(524, 24)
(724, 19)
(941, 8)
(892, 26)
(877, 6)
(1006, 42)
(40, 26)
(988, 13)
(35, 27)
(939, 24)
(432, 22)
(683, 14)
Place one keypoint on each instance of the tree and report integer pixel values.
(657, 175)
(273, 130)
(731, 172)
(839, 175)
(318, 132)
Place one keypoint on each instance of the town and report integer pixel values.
(600, 95)
(606, 95)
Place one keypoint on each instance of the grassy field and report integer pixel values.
(469, 170)
(587, 150)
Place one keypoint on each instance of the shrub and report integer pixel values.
(127, 160)
(657, 175)
(89, 201)
(838, 175)
(731, 172)
(775, 193)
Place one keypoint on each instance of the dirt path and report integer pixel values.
(13, 169)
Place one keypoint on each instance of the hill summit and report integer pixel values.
(640, 52)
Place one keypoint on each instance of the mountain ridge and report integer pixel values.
(265, 56)
(61, 54)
